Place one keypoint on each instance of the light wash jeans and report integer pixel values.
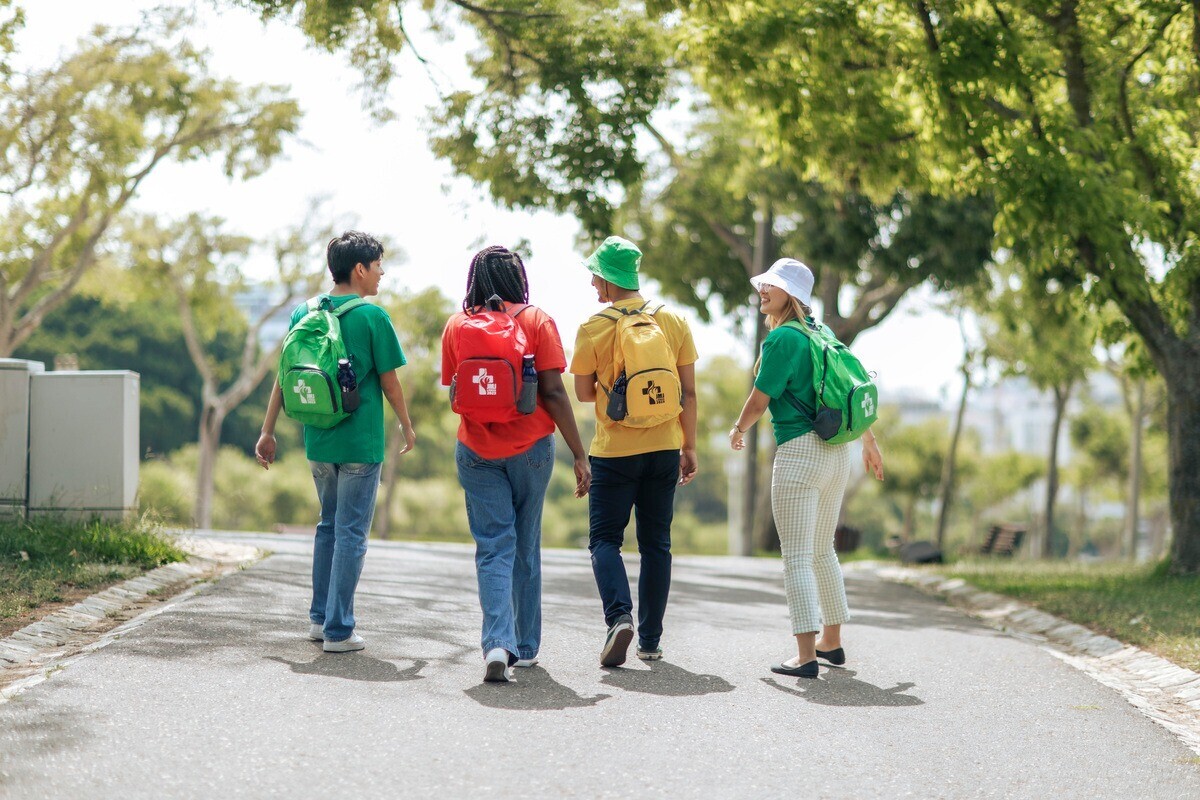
(347, 495)
(504, 510)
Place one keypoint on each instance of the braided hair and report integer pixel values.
(497, 271)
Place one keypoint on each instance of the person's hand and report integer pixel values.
(872, 459)
(264, 450)
(410, 439)
(583, 476)
(687, 466)
(737, 439)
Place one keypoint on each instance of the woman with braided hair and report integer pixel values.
(504, 466)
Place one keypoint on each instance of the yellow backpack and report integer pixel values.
(646, 391)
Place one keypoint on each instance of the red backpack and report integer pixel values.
(487, 383)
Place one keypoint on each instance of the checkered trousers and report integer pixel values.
(807, 485)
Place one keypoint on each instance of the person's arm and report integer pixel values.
(585, 388)
(558, 405)
(390, 383)
(264, 450)
(688, 463)
(872, 458)
(752, 411)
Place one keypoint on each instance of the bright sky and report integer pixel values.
(385, 176)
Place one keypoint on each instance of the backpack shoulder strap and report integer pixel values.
(349, 305)
(608, 316)
(521, 308)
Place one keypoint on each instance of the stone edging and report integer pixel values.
(33, 652)
(1163, 691)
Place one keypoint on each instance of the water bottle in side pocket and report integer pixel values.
(527, 401)
(618, 408)
(349, 385)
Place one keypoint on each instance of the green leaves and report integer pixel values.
(78, 138)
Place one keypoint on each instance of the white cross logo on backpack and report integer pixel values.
(307, 398)
(868, 406)
(485, 382)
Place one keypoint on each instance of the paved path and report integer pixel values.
(222, 696)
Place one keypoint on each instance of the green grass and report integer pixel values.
(1139, 605)
(47, 560)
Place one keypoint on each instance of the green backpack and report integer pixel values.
(847, 398)
(308, 364)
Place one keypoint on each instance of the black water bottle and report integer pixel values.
(617, 407)
(527, 401)
(349, 385)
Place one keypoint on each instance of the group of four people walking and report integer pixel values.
(636, 361)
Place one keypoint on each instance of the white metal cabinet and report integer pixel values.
(15, 374)
(84, 435)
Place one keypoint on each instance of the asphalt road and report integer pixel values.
(222, 696)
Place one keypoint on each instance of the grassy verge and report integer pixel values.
(48, 561)
(1139, 605)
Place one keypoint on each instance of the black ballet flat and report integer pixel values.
(835, 657)
(808, 670)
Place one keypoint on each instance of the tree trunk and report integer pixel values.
(946, 491)
(1061, 395)
(751, 478)
(759, 530)
(391, 481)
(766, 535)
(1183, 430)
(1134, 491)
(212, 418)
(910, 518)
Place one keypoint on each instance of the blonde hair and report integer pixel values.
(795, 310)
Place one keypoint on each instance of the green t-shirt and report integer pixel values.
(373, 348)
(787, 364)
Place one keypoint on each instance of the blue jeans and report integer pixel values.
(347, 496)
(504, 510)
(646, 482)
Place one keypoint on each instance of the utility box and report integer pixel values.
(15, 375)
(84, 443)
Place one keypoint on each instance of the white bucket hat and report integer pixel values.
(790, 275)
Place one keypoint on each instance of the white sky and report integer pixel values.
(385, 176)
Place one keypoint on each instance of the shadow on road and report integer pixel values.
(354, 667)
(841, 688)
(667, 680)
(533, 690)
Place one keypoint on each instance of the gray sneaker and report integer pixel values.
(316, 632)
(646, 654)
(616, 644)
(355, 642)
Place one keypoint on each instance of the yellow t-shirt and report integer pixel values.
(594, 355)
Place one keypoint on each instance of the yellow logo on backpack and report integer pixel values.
(646, 391)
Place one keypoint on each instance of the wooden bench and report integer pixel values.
(1003, 540)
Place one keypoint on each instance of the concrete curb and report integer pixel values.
(29, 655)
(1163, 691)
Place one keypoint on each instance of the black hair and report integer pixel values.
(496, 271)
(345, 252)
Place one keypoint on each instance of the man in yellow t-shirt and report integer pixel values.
(632, 467)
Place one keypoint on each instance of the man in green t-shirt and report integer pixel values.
(346, 458)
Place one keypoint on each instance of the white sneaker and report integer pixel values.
(355, 642)
(316, 632)
(496, 668)
(526, 662)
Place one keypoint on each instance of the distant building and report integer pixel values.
(258, 300)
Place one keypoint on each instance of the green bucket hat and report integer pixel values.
(616, 260)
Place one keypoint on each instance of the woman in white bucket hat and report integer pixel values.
(808, 479)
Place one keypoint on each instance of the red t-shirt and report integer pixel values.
(495, 440)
